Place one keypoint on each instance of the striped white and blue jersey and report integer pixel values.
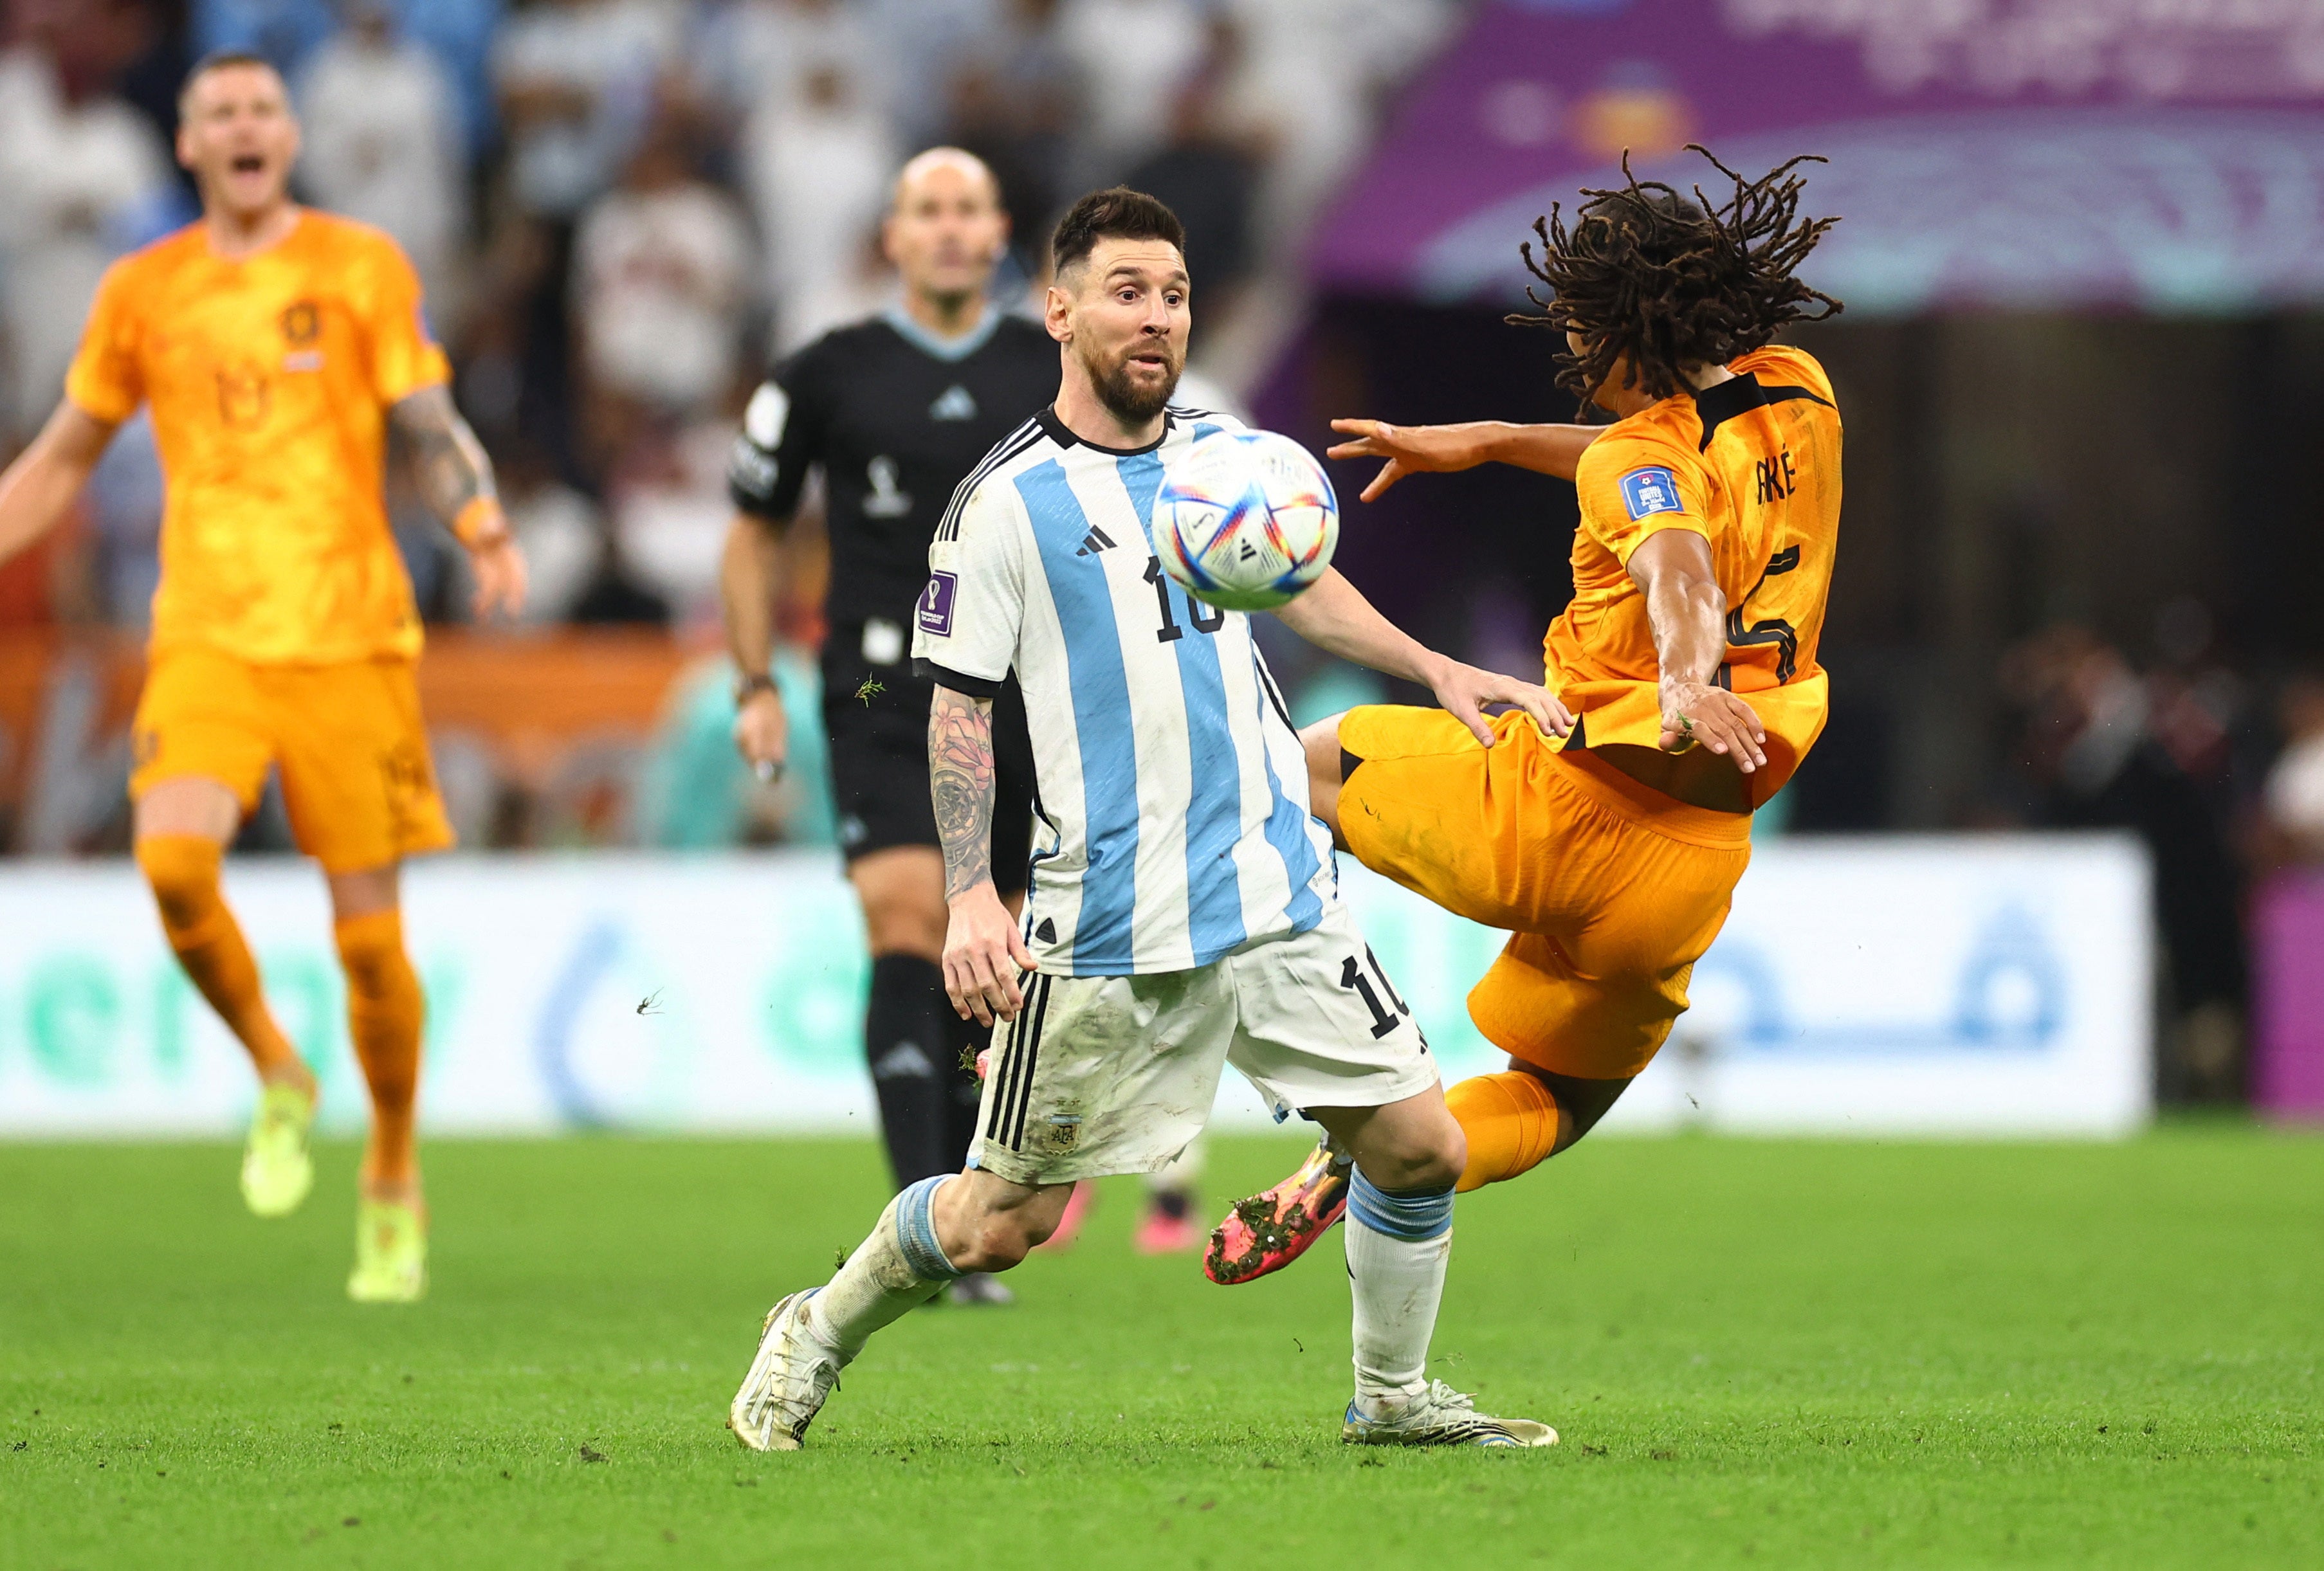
(1172, 791)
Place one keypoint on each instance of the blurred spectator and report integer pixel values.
(818, 162)
(2090, 749)
(560, 531)
(145, 55)
(1207, 178)
(283, 30)
(1015, 96)
(1307, 79)
(616, 599)
(661, 279)
(577, 86)
(382, 145)
(83, 178)
(750, 53)
(920, 42)
(458, 33)
(2294, 796)
(670, 509)
(1132, 93)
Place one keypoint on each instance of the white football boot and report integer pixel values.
(789, 1381)
(1438, 1416)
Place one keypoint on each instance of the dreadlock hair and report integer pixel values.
(1645, 273)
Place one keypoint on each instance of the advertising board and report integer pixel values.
(1964, 985)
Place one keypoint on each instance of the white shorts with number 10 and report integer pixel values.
(1101, 1075)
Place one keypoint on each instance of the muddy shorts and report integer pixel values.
(1101, 1075)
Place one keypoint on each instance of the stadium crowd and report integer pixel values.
(622, 208)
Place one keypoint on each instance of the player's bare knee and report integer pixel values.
(1423, 1156)
(1438, 1164)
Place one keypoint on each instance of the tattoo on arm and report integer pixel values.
(447, 462)
(961, 778)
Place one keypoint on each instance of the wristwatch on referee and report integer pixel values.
(750, 683)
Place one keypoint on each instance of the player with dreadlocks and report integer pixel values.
(1710, 510)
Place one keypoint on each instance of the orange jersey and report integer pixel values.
(1753, 466)
(269, 380)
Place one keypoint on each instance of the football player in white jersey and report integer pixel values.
(1184, 911)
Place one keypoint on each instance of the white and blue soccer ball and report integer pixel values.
(1245, 519)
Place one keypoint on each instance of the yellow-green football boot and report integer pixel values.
(391, 1254)
(276, 1170)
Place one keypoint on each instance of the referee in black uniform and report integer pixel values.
(895, 410)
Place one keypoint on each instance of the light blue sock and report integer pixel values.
(1415, 1216)
(897, 1268)
(916, 1230)
(1399, 1246)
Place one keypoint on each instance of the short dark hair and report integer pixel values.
(219, 59)
(1643, 272)
(1116, 213)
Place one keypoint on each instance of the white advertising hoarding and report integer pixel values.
(1959, 984)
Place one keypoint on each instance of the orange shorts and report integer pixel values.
(346, 739)
(1611, 890)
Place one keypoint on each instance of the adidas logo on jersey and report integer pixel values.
(1097, 539)
(1048, 931)
(953, 404)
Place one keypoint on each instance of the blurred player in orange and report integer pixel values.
(1709, 511)
(274, 347)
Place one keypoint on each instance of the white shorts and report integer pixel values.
(1101, 1075)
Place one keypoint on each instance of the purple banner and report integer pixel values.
(2288, 1015)
(2022, 153)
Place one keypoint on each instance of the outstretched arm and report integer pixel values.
(1333, 615)
(1687, 612)
(455, 480)
(982, 953)
(1441, 449)
(39, 487)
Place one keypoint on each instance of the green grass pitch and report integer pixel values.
(1759, 1353)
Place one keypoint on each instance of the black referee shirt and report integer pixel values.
(896, 417)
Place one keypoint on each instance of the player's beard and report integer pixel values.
(1133, 403)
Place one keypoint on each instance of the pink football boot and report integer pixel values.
(1273, 1228)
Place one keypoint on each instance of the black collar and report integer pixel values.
(1739, 394)
(1735, 396)
(1064, 437)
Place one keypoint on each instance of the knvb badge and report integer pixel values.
(936, 603)
(1646, 491)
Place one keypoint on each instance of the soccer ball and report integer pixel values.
(1245, 519)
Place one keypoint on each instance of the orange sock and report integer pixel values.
(183, 870)
(1512, 1121)
(385, 1011)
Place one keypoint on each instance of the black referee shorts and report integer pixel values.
(877, 720)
